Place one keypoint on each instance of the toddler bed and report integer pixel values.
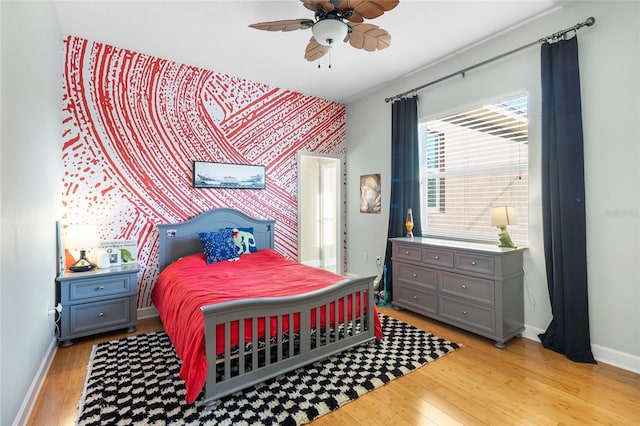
(235, 323)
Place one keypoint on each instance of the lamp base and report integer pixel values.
(83, 264)
(85, 268)
(505, 238)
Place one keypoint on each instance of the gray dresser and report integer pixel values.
(473, 286)
(97, 301)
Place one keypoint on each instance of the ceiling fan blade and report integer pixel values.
(315, 50)
(368, 37)
(326, 5)
(284, 25)
(368, 9)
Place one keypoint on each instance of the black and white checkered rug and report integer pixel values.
(135, 381)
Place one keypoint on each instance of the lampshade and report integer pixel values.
(503, 216)
(329, 30)
(82, 237)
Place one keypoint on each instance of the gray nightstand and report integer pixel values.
(97, 301)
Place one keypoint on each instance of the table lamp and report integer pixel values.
(82, 237)
(501, 217)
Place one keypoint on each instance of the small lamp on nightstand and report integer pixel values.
(82, 237)
(501, 217)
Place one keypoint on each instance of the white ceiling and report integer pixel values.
(214, 35)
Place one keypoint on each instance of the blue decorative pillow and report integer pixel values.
(218, 245)
(244, 240)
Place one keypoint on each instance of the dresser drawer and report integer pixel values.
(99, 315)
(97, 288)
(407, 252)
(471, 288)
(415, 274)
(416, 298)
(468, 315)
(437, 257)
(474, 263)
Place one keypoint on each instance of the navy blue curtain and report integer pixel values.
(405, 174)
(563, 202)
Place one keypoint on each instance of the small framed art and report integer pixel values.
(370, 196)
(114, 256)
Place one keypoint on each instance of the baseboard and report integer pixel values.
(30, 399)
(148, 312)
(616, 358)
(600, 353)
(531, 333)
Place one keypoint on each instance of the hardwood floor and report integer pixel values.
(479, 384)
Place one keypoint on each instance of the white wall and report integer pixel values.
(609, 66)
(30, 178)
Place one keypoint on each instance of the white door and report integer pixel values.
(319, 214)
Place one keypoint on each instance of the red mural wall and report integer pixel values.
(133, 124)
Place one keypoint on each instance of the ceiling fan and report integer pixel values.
(329, 25)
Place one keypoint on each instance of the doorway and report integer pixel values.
(319, 211)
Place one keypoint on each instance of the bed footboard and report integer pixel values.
(277, 335)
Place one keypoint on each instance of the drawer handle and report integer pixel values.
(101, 314)
(464, 286)
(100, 287)
(406, 252)
(414, 275)
(415, 297)
(473, 262)
(437, 257)
(464, 312)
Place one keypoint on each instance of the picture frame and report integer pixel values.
(370, 193)
(121, 252)
(228, 175)
(114, 257)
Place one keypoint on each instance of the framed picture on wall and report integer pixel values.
(227, 175)
(370, 195)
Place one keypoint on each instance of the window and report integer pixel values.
(481, 157)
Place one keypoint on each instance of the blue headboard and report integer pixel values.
(180, 239)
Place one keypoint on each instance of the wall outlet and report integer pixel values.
(365, 257)
(378, 260)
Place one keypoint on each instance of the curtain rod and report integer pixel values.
(555, 36)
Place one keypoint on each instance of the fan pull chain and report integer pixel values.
(320, 60)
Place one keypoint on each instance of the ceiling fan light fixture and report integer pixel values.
(328, 31)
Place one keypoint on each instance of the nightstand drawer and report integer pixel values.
(474, 263)
(415, 274)
(99, 315)
(472, 317)
(407, 252)
(416, 298)
(437, 257)
(471, 288)
(98, 287)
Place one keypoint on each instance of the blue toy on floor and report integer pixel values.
(382, 296)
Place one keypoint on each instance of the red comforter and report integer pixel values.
(189, 283)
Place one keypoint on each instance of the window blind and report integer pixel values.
(472, 161)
